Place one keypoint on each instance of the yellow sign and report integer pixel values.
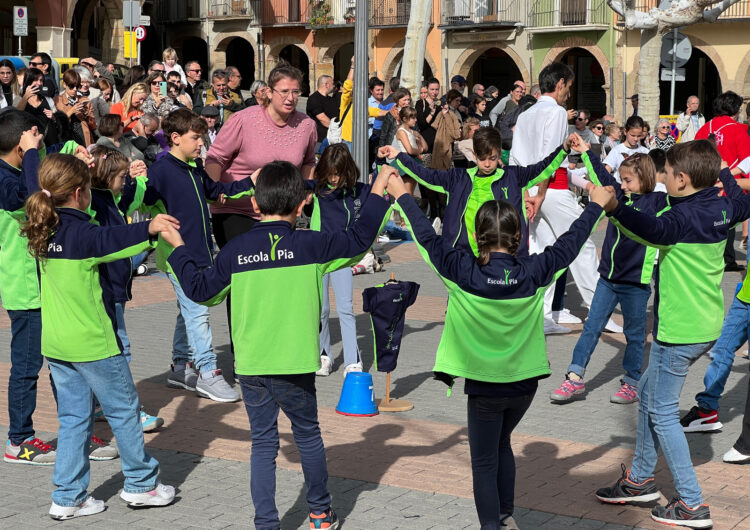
(131, 45)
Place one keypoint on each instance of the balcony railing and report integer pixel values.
(556, 13)
(740, 10)
(470, 12)
(275, 12)
(179, 10)
(247, 9)
(389, 12)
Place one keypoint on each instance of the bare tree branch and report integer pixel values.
(634, 19)
(710, 15)
(617, 6)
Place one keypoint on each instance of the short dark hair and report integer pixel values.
(14, 123)
(659, 158)
(182, 121)
(497, 224)
(394, 83)
(407, 113)
(486, 140)
(279, 188)
(551, 75)
(727, 104)
(698, 159)
(153, 63)
(634, 122)
(586, 112)
(109, 124)
(71, 77)
(336, 160)
(453, 94)
(373, 82)
(46, 59)
(174, 73)
(432, 81)
(400, 93)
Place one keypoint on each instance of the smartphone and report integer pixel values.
(44, 91)
(163, 89)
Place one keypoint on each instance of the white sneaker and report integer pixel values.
(325, 366)
(733, 456)
(141, 270)
(161, 495)
(437, 225)
(553, 328)
(354, 367)
(612, 327)
(88, 507)
(565, 317)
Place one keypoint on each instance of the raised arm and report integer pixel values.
(660, 231)
(434, 179)
(534, 174)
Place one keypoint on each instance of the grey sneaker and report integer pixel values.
(101, 450)
(213, 386)
(185, 378)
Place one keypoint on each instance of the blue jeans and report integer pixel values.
(25, 362)
(192, 340)
(659, 418)
(633, 300)
(112, 384)
(491, 421)
(139, 259)
(343, 286)
(734, 333)
(122, 332)
(295, 395)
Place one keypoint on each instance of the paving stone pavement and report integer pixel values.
(409, 470)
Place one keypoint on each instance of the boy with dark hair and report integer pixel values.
(277, 355)
(178, 184)
(469, 188)
(692, 232)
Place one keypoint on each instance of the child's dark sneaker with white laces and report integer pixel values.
(31, 451)
(677, 513)
(701, 420)
(625, 490)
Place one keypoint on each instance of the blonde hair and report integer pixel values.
(169, 53)
(108, 163)
(138, 88)
(468, 124)
(59, 177)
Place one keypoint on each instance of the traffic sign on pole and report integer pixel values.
(131, 13)
(20, 21)
(140, 33)
(145, 20)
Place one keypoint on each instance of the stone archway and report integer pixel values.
(274, 47)
(563, 46)
(223, 40)
(394, 56)
(466, 60)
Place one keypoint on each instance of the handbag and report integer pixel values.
(334, 128)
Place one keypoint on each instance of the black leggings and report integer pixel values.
(493, 467)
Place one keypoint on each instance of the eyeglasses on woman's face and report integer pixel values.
(286, 93)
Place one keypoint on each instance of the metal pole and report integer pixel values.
(138, 59)
(19, 46)
(674, 68)
(361, 67)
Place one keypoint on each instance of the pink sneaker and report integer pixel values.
(568, 390)
(627, 394)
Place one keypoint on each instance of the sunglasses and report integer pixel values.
(35, 64)
(599, 127)
(580, 119)
(72, 86)
(156, 83)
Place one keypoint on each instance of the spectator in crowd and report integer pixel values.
(634, 103)
(453, 102)
(98, 70)
(447, 126)
(515, 96)
(157, 102)
(407, 139)
(347, 117)
(147, 137)
(465, 146)
(220, 97)
(458, 83)
(507, 122)
(492, 96)
(597, 127)
(477, 91)
(612, 134)
(376, 87)
(478, 111)
(43, 62)
(427, 109)
(156, 67)
(41, 107)
(422, 91)
(580, 126)
(259, 91)
(9, 84)
(102, 103)
(386, 104)
(194, 85)
(401, 98)
(129, 108)
(169, 58)
(80, 116)
(234, 80)
(690, 121)
(111, 136)
(20, 73)
(177, 93)
(136, 74)
(87, 80)
(500, 107)
(646, 135)
(322, 107)
(662, 139)
(209, 114)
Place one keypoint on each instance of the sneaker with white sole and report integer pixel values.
(88, 507)
(31, 451)
(141, 270)
(568, 390)
(325, 366)
(149, 422)
(733, 456)
(565, 317)
(183, 376)
(612, 327)
(553, 328)
(677, 513)
(161, 495)
(354, 367)
(101, 450)
(213, 386)
(699, 419)
(627, 394)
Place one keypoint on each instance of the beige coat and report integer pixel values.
(448, 131)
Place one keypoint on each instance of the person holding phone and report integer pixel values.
(158, 101)
(691, 120)
(36, 101)
(130, 107)
(220, 97)
(78, 111)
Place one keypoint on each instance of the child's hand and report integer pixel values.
(222, 199)
(380, 183)
(138, 168)
(162, 222)
(31, 139)
(388, 151)
(604, 196)
(172, 236)
(396, 186)
(724, 165)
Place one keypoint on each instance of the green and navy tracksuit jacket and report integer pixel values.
(282, 267)
(182, 190)
(19, 278)
(338, 209)
(78, 305)
(623, 259)
(467, 190)
(494, 326)
(690, 235)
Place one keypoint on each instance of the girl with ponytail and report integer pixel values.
(494, 329)
(79, 336)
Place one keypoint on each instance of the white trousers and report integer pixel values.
(558, 212)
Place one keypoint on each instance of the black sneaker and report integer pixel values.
(677, 513)
(701, 420)
(626, 491)
(327, 519)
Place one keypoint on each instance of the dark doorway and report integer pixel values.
(342, 60)
(426, 71)
(195, 49)
(296, 57)
(494, 67)
(241, 55)
(701, 79)
(587, 91)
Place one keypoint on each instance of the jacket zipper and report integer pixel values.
(203, 217)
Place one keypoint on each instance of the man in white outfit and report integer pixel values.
(552, 208)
